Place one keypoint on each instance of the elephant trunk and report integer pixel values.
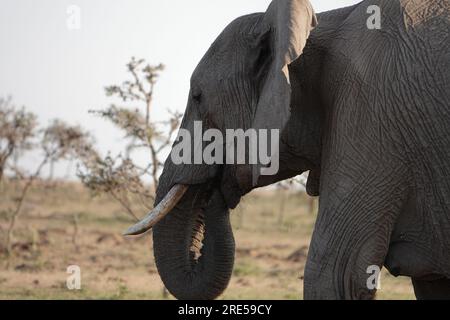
(194, 249)
(192, 237)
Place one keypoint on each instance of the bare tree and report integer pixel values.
(17, 130)
(19, 134)
(120, 176)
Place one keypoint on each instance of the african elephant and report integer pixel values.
(365, 110)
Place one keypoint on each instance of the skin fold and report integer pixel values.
(365, 111)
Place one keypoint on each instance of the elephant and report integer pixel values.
(364, 109)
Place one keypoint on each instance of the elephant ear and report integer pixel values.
(285, 27)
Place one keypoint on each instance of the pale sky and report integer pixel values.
(61, 73)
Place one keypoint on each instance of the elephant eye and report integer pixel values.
(197, 96)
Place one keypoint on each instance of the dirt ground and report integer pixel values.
(63, 225)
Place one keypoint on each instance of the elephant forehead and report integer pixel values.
(230, 48)
(220, 66)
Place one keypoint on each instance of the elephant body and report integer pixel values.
(366, 111)
(385, 162)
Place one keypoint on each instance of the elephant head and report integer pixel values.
(242, 82)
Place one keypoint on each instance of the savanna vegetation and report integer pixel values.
(61, 225)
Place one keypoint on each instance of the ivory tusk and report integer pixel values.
(160, 211)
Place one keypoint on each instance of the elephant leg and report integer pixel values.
(352, 234)
(432, 290)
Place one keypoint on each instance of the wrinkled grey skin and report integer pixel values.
(368, 114)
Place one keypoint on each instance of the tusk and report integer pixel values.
(160, 211)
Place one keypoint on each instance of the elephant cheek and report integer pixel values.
(236, 181)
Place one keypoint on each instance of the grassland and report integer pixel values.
(62, 225)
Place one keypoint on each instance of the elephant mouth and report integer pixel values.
(163, 208)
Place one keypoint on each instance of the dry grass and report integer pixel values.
(270, 258)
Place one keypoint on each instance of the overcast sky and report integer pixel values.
(60, 73)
